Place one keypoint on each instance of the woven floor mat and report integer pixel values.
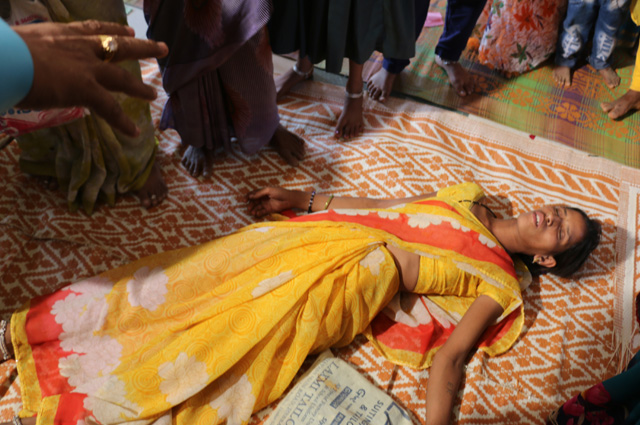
(531, 102)
(575, 330)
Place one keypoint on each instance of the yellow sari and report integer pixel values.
(216, 332)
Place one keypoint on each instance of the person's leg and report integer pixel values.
(629, 101)
(610, 18)
(576, 28)
(350, 123)
(624, 386)
(154, 190)
(301, 70)
(289, 145)
(623, 389)
(380, 84)
(460, 19)
(248, 74)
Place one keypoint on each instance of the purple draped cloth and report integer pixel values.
(219, 71)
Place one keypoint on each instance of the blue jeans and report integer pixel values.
(460, 19)
(608, 15)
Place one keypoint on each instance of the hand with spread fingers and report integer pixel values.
(72, 66)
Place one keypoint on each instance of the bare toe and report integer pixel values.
(622, 105)
(606, 106)
(380, 84)
(611, 78)
(195, 160)
(350, 118)
(48, 182)
(562, 76)
(461, 79)
(289, 145)
(154, 190)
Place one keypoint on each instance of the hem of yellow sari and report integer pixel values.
(48, 411)
(424, 361)
(510, 338)
(402, 357)
(29, 384)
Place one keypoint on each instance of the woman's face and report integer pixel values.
(550, 230)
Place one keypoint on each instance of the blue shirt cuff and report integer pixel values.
(16, 68)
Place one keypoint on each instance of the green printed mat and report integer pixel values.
(531, 102)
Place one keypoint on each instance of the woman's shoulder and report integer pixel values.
(466, 191)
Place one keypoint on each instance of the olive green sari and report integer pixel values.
(87, 157)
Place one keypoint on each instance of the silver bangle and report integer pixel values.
(313, 195)
(354, 95)
(16, 420)
(3, 346)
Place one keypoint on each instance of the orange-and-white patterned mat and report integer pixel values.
(576, 332)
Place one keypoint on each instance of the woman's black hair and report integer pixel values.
(569, 261)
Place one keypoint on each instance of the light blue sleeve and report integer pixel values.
(16, 68)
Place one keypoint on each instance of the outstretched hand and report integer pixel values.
(271, 200)
(69, 69)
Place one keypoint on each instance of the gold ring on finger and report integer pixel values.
(109, 47)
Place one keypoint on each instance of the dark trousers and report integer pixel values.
(460, 19)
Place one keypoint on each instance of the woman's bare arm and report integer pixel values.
(447, 368)
(275, 199)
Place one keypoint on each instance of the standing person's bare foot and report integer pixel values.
(461, 80)
(289, 145)
(48, 182)
(622, 105)
(562, 75)
(350, 123)
(380, 84)
(197, 161)
(611, 78)
(302, 70)
(154, 189)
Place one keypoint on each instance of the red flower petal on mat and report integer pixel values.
(532, 136)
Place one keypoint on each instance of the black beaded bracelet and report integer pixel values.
(313, 194)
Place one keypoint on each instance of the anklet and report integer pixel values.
(302, 73)
(446, 62)
(3, 346)
(354, 95)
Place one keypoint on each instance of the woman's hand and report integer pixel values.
(69, 69)
(271, 200)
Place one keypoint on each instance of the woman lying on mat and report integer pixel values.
(215, 332)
